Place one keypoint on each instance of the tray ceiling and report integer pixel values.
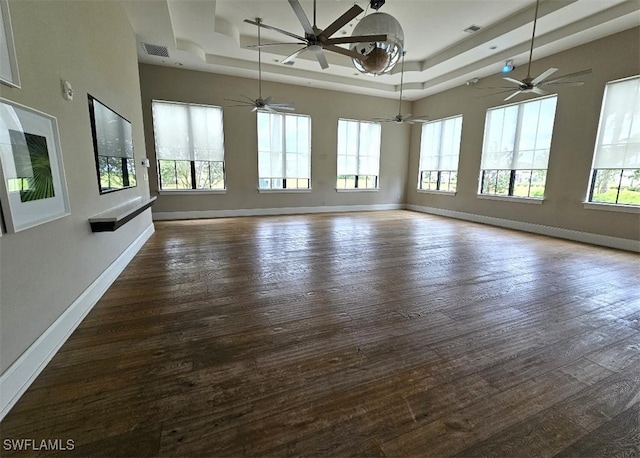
(210, 35)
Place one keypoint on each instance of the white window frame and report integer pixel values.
(358, 177)
(512, 172)
(440, 172)
(286, 187)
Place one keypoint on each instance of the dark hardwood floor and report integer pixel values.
(371, 334)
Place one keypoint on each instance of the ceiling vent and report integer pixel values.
(472, 28)
(155, 50)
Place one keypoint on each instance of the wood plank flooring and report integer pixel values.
(362, 334)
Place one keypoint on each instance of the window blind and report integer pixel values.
(117, 140)
(518, 137)
(284, 146)
(618, 140)
(358, 147)
(440, 144)
(185, 132)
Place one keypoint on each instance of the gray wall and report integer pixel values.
(572, 146)
(45, 268)
(325, 107)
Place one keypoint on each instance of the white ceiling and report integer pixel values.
(210, 35)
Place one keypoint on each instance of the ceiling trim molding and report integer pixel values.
(296, 72)
(485, 35)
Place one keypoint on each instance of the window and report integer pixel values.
(439, 150)
(189, 145)
(515, 154)
(358, 154)
(113, 147)
(615, 176)
(284, 151)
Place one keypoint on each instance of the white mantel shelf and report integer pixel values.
(116, 217)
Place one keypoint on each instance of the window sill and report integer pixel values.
(435, 191)
(612, 207)
(357, 190)
(284, 191)
(191, 192)
(521, 200)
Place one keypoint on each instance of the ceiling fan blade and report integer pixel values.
(238, 101)
(568, 75)
(512, 95)
(265, 26)
(282, 106)
(322, 59)
(544, 75)
(537, 90)
(417, 118)
(266, 45)
(293, 56)
(510, 88)
(511, 80)
(302, 17)
(494, 93)
(566, 83)
(267, 101)
(356, 39)
(341, 21)
(346, 52)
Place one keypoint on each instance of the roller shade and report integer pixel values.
(518, 137)
(618, 141)
(185, 132)
(284, 146)
(115, 139)
(358, 147)
(440, 144)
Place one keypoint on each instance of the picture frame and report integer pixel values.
(9, 74)
(33, 187)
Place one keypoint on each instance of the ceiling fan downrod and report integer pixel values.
(259, 21)
(533, 36)
(401, 84)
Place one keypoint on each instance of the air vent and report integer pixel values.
(155, 50)
(472, 28)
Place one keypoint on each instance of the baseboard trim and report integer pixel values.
(166, 216)
(567, 234)
(21, 374)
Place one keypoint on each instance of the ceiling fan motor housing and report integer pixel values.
(381, 56)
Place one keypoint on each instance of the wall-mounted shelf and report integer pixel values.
(116, 217)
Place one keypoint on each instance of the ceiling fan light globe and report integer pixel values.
(381, 57)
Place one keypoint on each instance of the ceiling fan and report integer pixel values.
(318, 40)
(262, 104)
(400, 118)
(534, 85)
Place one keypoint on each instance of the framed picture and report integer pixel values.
(33, 189)
(8, 62)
